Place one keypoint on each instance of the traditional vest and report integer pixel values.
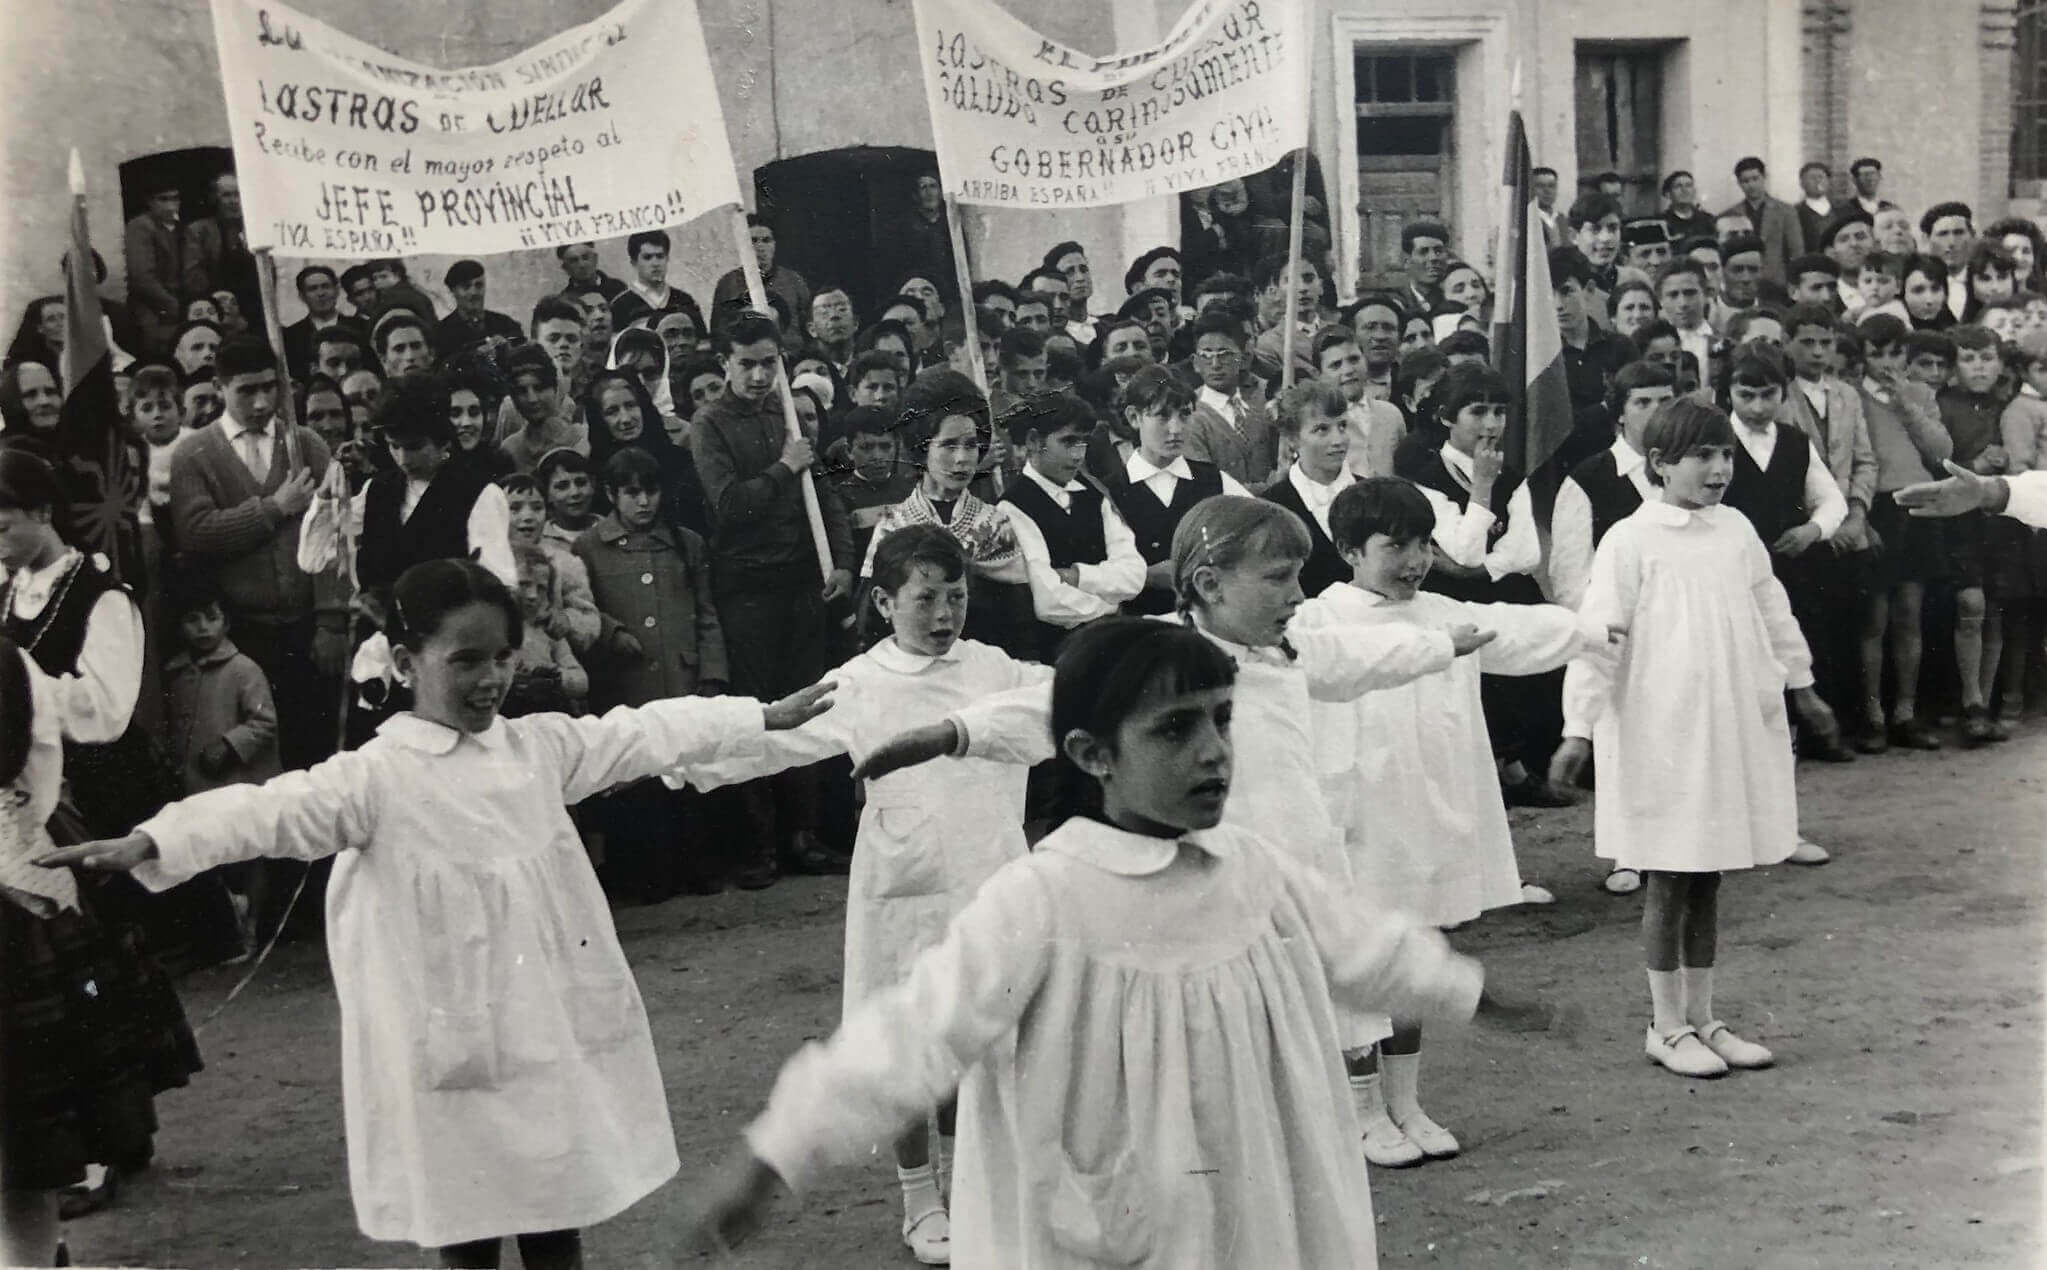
(114, 785)
(1325, 566)
(1519, 588)
(438, 528)
(1614, 497)
(1073, 536)
(1772, 498)
(1153, 523)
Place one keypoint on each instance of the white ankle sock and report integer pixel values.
(1403, 1073)
(1666, 1001)
(920, 1191)
(1698, 989)
(1369, 1099)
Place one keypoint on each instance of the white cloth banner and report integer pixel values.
(1023, 121)
(345, 150)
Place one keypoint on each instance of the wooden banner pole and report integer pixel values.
(757, 296)
(963, 278)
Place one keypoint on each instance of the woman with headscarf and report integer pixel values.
(40, 337)
(621, 413)
(642, 353)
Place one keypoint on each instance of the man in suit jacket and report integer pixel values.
(1774, 221)
(320, 290)
(154, 251)
(1227, 429)
(217, 256)
(239, 487)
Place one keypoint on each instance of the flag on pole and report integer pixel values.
(1528, 350)
(98, 465)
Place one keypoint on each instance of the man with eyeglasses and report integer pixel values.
(1227, 429)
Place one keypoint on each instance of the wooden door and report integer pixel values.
(1406, 122)
(831, 213)
(1394, 189)
(1619, 94)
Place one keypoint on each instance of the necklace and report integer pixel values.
(42, 622)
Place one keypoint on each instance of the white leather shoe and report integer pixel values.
(929, 1238)
(1387, 1147)
(1684, 1053)
(1735, 1052)
(1622, 882)
(1533, 894)
(1434, 1140)
(1809, 852)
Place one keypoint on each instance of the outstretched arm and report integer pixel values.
(299, 815)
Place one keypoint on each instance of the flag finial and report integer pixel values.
(77, 174)
(1514, 85)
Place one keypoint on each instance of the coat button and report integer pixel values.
(649, 623)
(647, 579)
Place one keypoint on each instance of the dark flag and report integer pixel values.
(102, 469)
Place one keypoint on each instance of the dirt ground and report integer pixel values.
(1900, 987)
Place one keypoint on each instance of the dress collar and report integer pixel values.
(890, 655)
(1457, 461)
(1671, 514)
(1625, 457)
(1315, 493)
(1131, 855)
(1142, 469)
(428, 737)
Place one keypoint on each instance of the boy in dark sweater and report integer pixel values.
(1972, 409)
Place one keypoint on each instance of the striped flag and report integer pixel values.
(1528, 351)
(101, 469)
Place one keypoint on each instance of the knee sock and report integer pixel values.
(920, 1191)
(1403, 1073)
(944, 1162)
(1666, 1001)
(1697, 982)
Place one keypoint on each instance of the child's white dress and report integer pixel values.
(1274, 792)
(1687, 719)
(497, 1073)
(930, 834)
(1408, 771)
(1144, 1040)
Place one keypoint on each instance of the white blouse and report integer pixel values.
(95, 702)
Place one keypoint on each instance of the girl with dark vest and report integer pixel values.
(1488, 554)
(1606, 488)
(426, 508)
(1782, 485)
(88, 1104)
(1081, 557)
(1313, 419)
(1158, 484)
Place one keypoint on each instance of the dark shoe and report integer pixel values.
(1977, 729)
(1534, 791)
(1825, 749)
(1870, 739)
(806, 855)
(758, 876)
(1911, 734)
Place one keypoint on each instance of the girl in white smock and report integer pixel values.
(1139, 1014)
(1408, 772)
(1688, 721)
(930, 835)
(1236, 568)
(498, 1077)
